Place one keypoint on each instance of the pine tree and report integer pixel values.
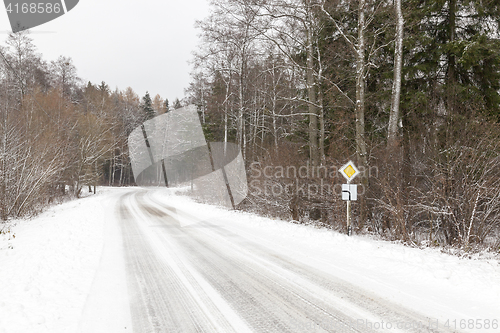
(147, 107)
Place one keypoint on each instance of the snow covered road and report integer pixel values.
(204, 278)
(171, 265)
(191, 273)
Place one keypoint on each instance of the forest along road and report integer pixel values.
(201, 277)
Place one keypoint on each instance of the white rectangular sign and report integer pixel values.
(349, 192)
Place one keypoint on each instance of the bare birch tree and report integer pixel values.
(392, 129)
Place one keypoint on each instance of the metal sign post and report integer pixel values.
(349, 230)
(349, 191)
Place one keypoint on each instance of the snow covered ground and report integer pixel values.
(48, 267)
(48, 270)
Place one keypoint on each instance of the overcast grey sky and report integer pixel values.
(144, 44)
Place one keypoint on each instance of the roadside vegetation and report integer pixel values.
(407, 89)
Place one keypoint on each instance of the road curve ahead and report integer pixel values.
(202, 277)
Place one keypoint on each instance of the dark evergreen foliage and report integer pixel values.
(147, 107)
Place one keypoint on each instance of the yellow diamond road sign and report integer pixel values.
(349, 171)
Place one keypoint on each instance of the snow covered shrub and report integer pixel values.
(286, 186)
(443, 195)
(463, 194)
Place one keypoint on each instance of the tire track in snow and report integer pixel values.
(159, 300)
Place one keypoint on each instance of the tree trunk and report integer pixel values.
(360, 87)
(392, 129)
(113, 170)
(226, 112)
(120, 182)
(322, 129)
(360, 108)
(110, 171)
(275, 134)
(450, 75)
(274, 107)
(241, 138)
(313, 110)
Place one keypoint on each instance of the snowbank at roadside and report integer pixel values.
(46, 271)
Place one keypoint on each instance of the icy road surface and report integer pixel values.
(166, 264)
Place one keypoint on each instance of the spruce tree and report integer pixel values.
(454, 55)
(147, 107)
